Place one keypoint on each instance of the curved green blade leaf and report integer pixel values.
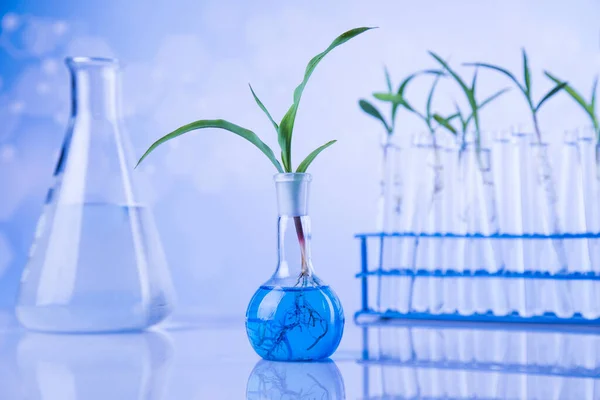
(389, 97)
(493, 97)
(469, 91)
(395, 99)
(526, 73)
(310, 158)
(388, 80)
(286, 126)
(374, 112)
(456, 77)
(502, 71)
(430, 97)
(400, 93)
(455, 115)
(551, 93)
(572, 92)
(486, 102)
(405, 83)
(445, 122)
(262, 107)
(474, 81)
(221, 124)
(401, 99)
(589, 108)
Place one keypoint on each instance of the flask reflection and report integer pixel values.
(73, 367)
(298, 380)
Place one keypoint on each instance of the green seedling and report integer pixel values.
(525, 88)
(588, 107)
(397, 99)
(284, 129)
(469, 92)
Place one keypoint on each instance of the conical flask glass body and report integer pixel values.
(97, 262)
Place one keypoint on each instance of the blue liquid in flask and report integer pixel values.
(295, 323)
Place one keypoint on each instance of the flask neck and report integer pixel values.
(94, 84)
(293, 228)
(294, 237)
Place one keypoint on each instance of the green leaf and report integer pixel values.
(310, 158)
(456, 77)
(551, 93)
(284, 138)
(445, 122)
(405, 83)
(389, 97)
(286, 126)
(486, 102)
(455, 115)
(526, 74)
(221, 124)
(493, 97)
(474, 81)
(469, 92)
(400, 93)
(432, 72)
(502, 71)
(388, 81)
(430, 97)
(572, 92)
(374, 112)
(395, 99)
(589, 108)
(262, 107)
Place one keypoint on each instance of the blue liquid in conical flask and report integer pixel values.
(293, 324)
(94, 267)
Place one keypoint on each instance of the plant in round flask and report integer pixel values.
(294, 315)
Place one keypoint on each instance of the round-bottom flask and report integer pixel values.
(294, 316)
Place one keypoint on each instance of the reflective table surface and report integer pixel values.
(212, 359)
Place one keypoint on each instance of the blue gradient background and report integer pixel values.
(212, 194)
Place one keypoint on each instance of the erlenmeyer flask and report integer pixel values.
(97, 262)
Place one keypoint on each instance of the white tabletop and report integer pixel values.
(210, 360)
(213, 360)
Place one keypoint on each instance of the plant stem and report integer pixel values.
(536, 127)
(302, 242)
(438, 185)
(547, 181)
